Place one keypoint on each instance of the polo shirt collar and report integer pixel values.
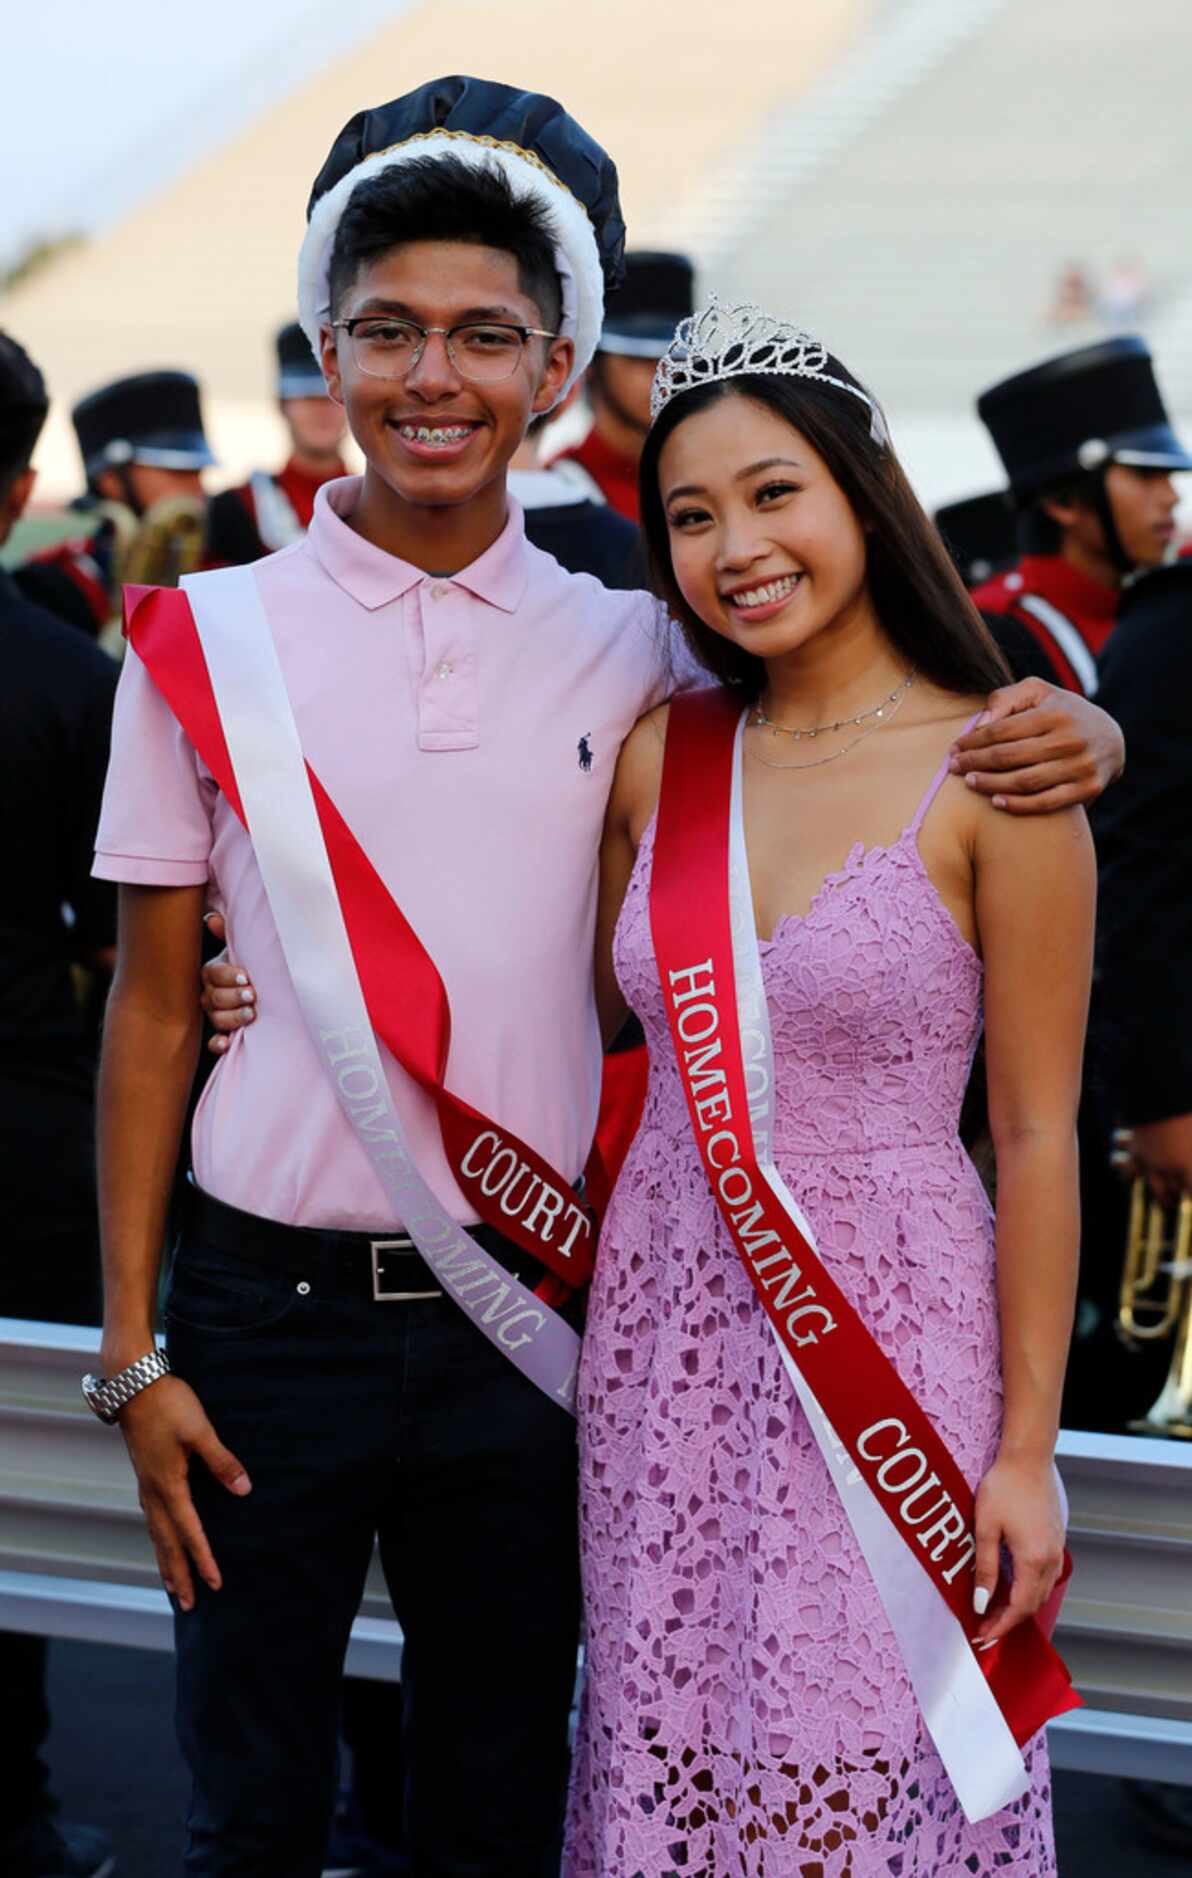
(373, 578)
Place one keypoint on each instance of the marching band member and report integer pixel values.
(639, 324)
(55, 716)
(272, 509)
(1144, 948)
(758, 1518)
(1144, 974)
(386, 752)
(571, 519)
(1089, 451)
(144, 450)
(1143, 832)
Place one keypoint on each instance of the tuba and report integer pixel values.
(1155, 1301)
(166, 543)
(150, 550)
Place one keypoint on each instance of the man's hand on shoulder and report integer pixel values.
(1038, 748)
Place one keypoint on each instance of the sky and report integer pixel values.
(106, 99)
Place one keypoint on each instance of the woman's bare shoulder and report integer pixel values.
(944, 711)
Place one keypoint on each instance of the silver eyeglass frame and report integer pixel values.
(524, 333)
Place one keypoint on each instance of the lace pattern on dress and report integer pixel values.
(746, 1713)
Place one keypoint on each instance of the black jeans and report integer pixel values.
(356, 1420)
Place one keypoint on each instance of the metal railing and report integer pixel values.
(75, 1560)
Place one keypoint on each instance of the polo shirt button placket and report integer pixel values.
(447, 704)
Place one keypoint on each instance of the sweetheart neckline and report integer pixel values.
(857, 858)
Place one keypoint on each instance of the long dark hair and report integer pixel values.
(920, 599)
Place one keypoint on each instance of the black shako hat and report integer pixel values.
(153, 418)
(299, 374)
(640, 317)
(981, 535)
(538, 145)
(1076, 413)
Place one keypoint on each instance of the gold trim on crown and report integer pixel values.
(488, 143)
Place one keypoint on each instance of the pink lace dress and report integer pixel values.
(746, 1712)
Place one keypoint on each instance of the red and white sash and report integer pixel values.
(910, 1507)
(361, 973)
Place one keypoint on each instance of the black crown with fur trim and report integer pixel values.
(530, 136)
(482, 109)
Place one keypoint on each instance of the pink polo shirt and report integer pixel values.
(467, 728)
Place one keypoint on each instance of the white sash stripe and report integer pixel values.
(262, 739)
(971, 1736)
(1066, 637)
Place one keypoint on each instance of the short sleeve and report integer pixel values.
(155, 825)
(670, 665)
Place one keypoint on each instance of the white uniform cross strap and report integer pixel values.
(1067, 637)
(277, 521)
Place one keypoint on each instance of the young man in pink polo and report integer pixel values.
(384, 753)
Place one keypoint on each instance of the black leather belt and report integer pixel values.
(386, 1267)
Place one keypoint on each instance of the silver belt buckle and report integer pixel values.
(376, 1248)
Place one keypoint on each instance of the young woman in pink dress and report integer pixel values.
(747, 1711)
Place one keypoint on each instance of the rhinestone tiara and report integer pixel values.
(720, 342)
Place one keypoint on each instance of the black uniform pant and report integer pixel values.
(356, 1420)
(49, 1272)
(53, 1279)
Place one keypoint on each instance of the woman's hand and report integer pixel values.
(1038, 748)
(228, 997)
(1018, 1506)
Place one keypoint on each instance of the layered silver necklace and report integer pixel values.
(880, 714)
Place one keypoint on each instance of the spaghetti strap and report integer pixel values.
(936, 783)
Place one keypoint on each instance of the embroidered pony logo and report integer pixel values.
(585, 754)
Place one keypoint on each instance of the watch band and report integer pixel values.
(106, 1396)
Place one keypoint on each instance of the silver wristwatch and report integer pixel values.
(108, 1395)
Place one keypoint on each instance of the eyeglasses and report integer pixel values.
(482, 351)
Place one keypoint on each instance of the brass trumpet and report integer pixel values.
(1155, 1301)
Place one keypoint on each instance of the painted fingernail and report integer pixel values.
(241, 979)
(971, 779)
(999, 802)
(980, 1600)
(246, 997)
